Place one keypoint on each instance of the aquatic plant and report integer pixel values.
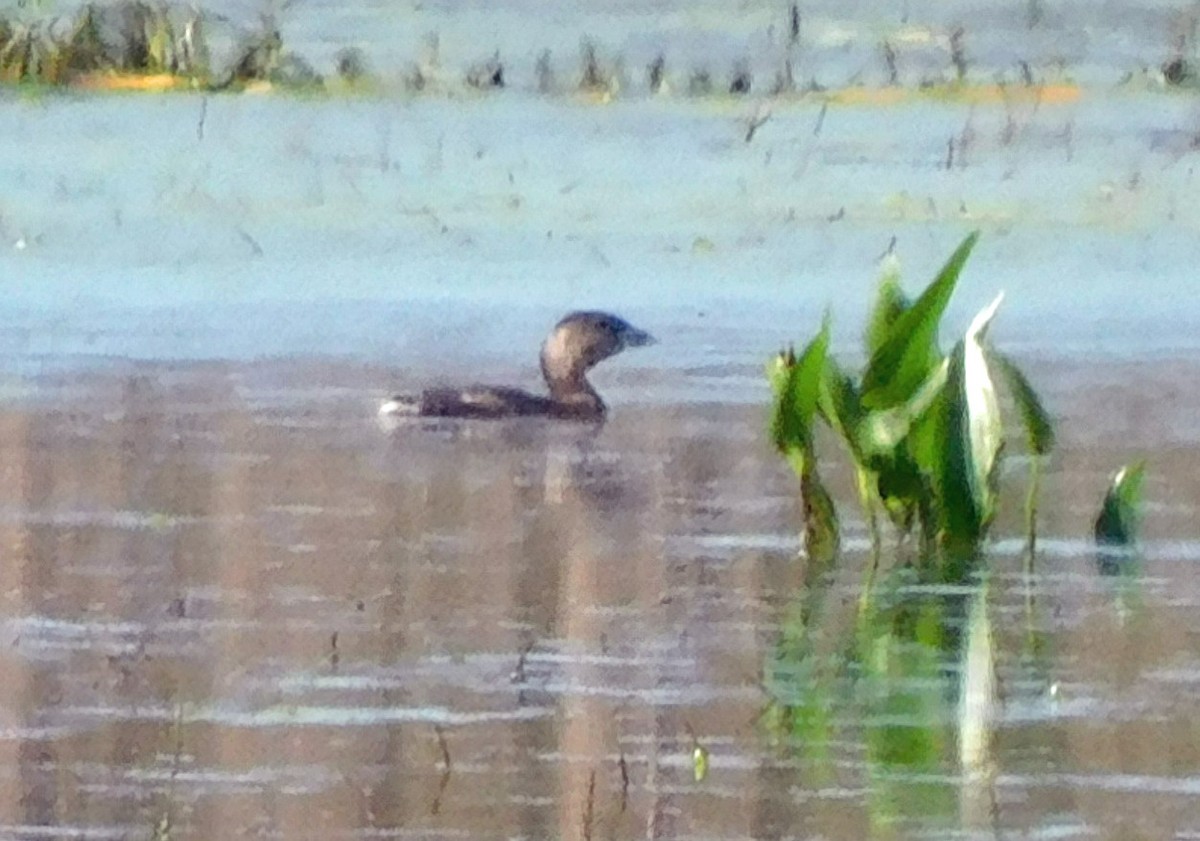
(917, 677)
(656, 75)
(1035, 13)
(958, 53)
(29, 54)
(917, 671)
(351, 65)
(420, 75)
(293, 72)
(785, 80)
(161, 45)
(543, 71)
(596, 79)
(888, 52)
(1177, 71)
(258, 56)
(128, 37)
(923, 428)
(158, 38)
(591, 77)
(1119, 522)
(1120, 515)
(194, 56)
(700, 82)
(84, 47)
(487, 74)
(741, 81)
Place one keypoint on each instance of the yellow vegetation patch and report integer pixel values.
(130, 82)
(1049, 94)
(870, 96)
(599, 96)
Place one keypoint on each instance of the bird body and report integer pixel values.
(577, 343)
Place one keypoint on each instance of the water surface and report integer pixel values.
(233, 604)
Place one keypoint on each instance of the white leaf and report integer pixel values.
(983, 409)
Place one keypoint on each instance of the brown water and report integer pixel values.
(232, 605)
(235, 607)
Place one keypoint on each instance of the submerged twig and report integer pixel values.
(1068, 135)
(623, 767)
(165, 825)
(255, 248)
(866, 496)
(518, 673)
(958, 53)
(1031, 514)
(755, 122)
(203, 117)
(589, 807)
(444, 781)
(811, 146)
(966, 138)
(1035, 472)
(820, 119)
(1026, 74)
(441, 737)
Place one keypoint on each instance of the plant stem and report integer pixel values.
(867, 501)
(1035, 474)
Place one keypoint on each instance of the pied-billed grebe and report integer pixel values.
(578, 342)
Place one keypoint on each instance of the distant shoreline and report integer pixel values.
(136, 46)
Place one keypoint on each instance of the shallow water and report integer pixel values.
(234, 604)
(237, 605)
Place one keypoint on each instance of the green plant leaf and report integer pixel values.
(882, 430)
(1121, 514)
(900, 486)
(699, 762)
(984, 425)
(797, 387)
(821, 532)
(781, 373)
(885, 438)
(1039, 428)
(840, 405)
(905, 359)
(890, 304)
(971, 435)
